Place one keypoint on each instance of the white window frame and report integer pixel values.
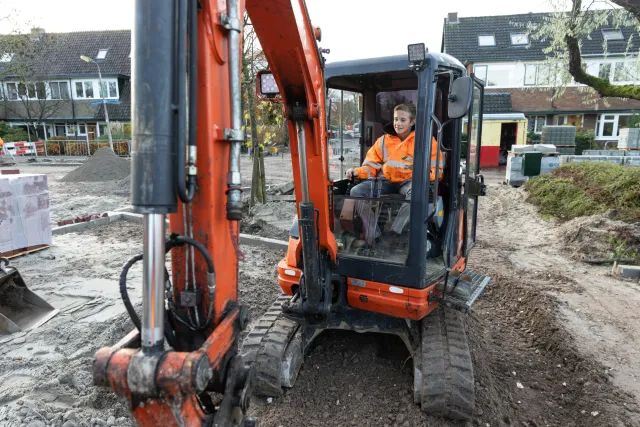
(601, 120)
(15, 84)
(612, 34)
(535, 123)
(519, 39)
(486, 71)
(611, 68)
(490, 40)
(70, 132)
(80, 127)
(27, 97)
(102, 53)
(84, 89)
(58, 82)
(535, 74)
(109, 95)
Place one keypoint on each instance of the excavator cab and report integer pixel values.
(411, 281)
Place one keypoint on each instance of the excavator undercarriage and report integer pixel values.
(442, 364)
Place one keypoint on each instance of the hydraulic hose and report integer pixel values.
(187, 20)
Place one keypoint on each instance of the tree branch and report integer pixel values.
(602, 86)
(632, 6)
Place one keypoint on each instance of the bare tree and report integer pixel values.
(29, 96)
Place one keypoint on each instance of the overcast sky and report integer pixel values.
(352, 29)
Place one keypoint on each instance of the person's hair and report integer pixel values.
(407, 108)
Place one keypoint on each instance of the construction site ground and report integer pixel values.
(555, 341)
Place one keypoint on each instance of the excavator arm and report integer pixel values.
(289, 43)
(185, 169)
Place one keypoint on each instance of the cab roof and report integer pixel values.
(386, 64)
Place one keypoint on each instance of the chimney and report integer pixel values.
(37, 33)
(452, 17)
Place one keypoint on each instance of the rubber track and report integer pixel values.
(264, 348)
(447, 368)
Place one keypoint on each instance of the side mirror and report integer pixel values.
(460, 97)
(266, 86)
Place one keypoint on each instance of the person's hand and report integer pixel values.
(350, 173)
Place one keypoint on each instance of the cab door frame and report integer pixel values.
(474, 186)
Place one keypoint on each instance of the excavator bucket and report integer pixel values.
(20, 309)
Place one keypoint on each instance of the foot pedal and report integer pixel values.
(477, 286)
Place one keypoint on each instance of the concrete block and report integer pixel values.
(522, 148)
(632, 161)
(132, 217)
(544, 148)
(629, 270)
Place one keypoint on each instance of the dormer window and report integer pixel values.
(612, 34)
(519, 38)
(486, 40)
(102, 54)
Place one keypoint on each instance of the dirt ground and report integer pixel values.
(555, 341)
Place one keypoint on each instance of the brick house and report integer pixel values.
(500, 52)
(47, 84)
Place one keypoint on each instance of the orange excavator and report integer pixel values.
(183, 364)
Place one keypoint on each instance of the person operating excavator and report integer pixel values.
(392, 154)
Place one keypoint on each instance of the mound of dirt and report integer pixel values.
(599, 237)
(104, 165)
(123, 187)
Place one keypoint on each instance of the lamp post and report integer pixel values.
(104, 103)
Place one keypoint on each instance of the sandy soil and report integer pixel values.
(555, 341)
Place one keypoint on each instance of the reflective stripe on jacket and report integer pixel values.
(395, 159)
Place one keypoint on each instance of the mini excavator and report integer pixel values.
(183, 363)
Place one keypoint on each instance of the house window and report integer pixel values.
(481, 72)
(60, 129)
(608, 125)
(612, 34)
(530, 74)
(84, 89)
(71, 129)
(625, 72)
(82, 129)
(604, 70)
(486, 40)
(535, 123)
(102, 54)
(7, 57)
(109, 89)
(570, 120)
(27, 91)
(12, 91)
(500, 75)
(519, 38)
(59, 90)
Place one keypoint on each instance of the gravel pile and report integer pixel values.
(104, 165)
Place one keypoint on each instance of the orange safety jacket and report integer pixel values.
(395, 158)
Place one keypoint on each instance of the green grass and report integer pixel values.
(588, 188)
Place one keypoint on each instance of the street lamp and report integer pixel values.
(104, 103)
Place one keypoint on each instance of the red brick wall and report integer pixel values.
(573, 99)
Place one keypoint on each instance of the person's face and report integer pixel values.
(402, 122)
